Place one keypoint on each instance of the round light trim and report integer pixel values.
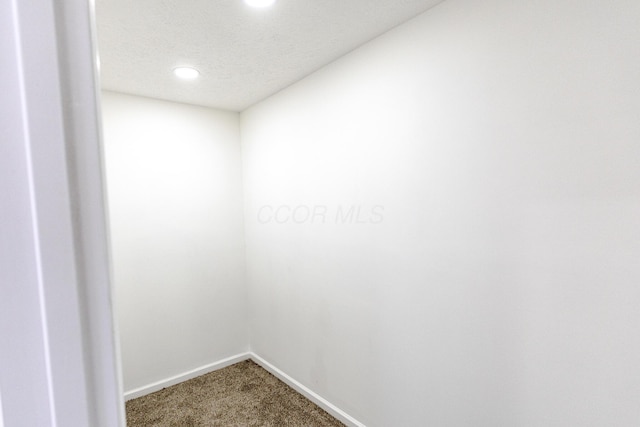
(260, 3)
(187, 73)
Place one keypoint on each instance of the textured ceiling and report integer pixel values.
(243, 54)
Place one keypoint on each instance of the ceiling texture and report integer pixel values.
(243, 54)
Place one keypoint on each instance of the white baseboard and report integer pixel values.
(308, 393)
(159, 385)
(299, 387)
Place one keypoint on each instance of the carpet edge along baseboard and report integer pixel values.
(281, 375)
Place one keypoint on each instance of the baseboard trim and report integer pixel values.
(159, 385)
(308, 393)
(296, 385)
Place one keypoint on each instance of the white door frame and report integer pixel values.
(59, 364)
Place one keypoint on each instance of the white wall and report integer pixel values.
(174, 184)
(491, 278)
(56, 338)
(23, 357)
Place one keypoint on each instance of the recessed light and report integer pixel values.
(186, 72)
(260, 3)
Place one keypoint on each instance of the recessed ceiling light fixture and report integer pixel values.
(187, 73)
(260, 3)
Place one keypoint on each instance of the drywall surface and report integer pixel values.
(175, 194)
(443, 227)
(23, 336)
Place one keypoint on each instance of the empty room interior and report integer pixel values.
(412, 212)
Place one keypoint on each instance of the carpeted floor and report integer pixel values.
(243, 394)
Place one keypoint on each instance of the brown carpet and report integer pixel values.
(243, 394)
